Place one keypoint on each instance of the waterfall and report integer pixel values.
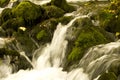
(100, 57)
(48, 65)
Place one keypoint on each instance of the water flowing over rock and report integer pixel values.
(75, 49)
(101, 58)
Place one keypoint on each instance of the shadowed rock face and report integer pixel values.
(4, 3)
(63, 5)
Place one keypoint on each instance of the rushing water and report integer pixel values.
(48, 65)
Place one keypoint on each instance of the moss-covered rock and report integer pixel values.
(53, 11)
(63, 5)
(115, 68)
(47, 28)
(108, 76)
(65, 19)
(42, 35)
(30, 12)
(4, 3)
(13, 23)
(5, 15)
(86, 35)
(25, 42)
(4, 51)
(110, 17)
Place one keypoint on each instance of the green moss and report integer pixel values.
(4, 51)
(85, 22)
(65, 19)
(110, 17)
(30, 12)
(3, 3)
(13, 23)
(53, 11)
(48, 26)
(115, 67)
(6, 15)
(108, 76)
(63, 5)
(25, 42)
(42, 35)
(89, 36)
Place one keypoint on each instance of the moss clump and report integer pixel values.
(110, 17)
(13, 24)
(53, 11)
(30, 12)
(88, 36)
(63, 5)
(6, 15)
(25, 42)
(4, 3)
(42, 35)
(65, 19)
(4, 51)
(108, 76)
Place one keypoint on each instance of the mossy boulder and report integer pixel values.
(110, 17)
(108, 76)
(4, 3)
(43, 32)
(87, 35)
(25, 42)
(43, 36)
(31, 13)
(63, 5)
(53, 11)
(5, 15)
(65, 19)
(15, 59)
(115, 67)
(4, 51)
(13, 23)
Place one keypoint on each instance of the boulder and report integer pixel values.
(31, 13)
(4, 3)
(53, 11)
(108, 76)
(63, 5)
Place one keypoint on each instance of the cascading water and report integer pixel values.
(47, 66)
(100, 58)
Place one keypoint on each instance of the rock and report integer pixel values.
(63, 5)
(47, 27)
(110, 18)
(108, 76)
(115, 68)
(86, 35)
(5, 15)
(53, 11)
(31, 13)
(13, 24)
(23, 42)
(65, 19)
(4, 3)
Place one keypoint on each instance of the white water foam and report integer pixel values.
(47, 66)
